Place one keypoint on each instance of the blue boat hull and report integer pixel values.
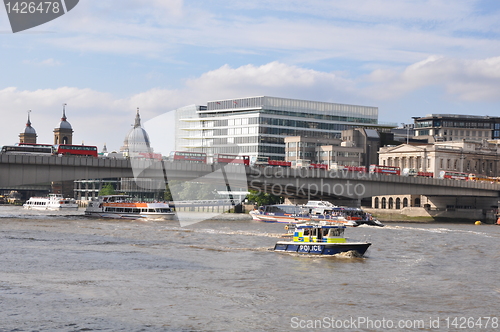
(322, 249)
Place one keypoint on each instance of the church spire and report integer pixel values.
(29, 134)
(28, 124)
(137, 123)
(64, 113)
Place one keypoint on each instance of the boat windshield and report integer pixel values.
(283, 209)
(336, 232)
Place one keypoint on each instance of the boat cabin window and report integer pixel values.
(336, 232)
(283, 209)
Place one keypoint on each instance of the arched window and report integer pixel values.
(398, 203)
(376, 203)
(384, 203)
(417, 202)
(391, 203)
(405, 202)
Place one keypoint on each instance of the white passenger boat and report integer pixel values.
(124, 207)
(314, 211)
(53, 202)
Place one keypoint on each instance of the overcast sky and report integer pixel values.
(106, 58)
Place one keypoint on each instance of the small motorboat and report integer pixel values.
(320, 239)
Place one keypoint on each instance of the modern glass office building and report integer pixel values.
(257, 126)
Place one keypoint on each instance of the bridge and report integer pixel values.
(16, 170)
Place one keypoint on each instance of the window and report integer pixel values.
(417, 202)
(405, 202)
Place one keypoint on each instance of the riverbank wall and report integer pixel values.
(420, 214)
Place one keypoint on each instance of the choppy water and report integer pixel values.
(70, 273)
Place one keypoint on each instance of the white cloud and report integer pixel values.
(468, 80)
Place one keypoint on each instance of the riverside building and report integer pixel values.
(257, 126)
(455, 127)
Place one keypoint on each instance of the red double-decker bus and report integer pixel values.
(190, 157)
(76, 150)
(391, 170)
(266, 161)
(425, 174)
(279, 163)
(231, 159)
(320, 166)
(453, 175)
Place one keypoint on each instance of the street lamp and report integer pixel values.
(407, 132)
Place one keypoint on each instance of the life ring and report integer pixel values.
(286, 227)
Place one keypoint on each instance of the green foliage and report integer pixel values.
(261, 198)
(191, 190)
(167, 195)
(107, 189)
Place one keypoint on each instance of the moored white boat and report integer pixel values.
(53, 202)
(314, 211)
(285, 213)
(123, 207)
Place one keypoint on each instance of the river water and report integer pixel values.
(72, 273)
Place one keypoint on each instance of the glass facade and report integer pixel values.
(257, 126)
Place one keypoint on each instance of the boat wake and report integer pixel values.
(441, 230)
(348, 254)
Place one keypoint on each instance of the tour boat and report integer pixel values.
(285, 213)
(313, 211)
(124, 207)
(320, 239)
(52, 202)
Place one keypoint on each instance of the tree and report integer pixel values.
(167, 195)
(261, 198)
(107, 189)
